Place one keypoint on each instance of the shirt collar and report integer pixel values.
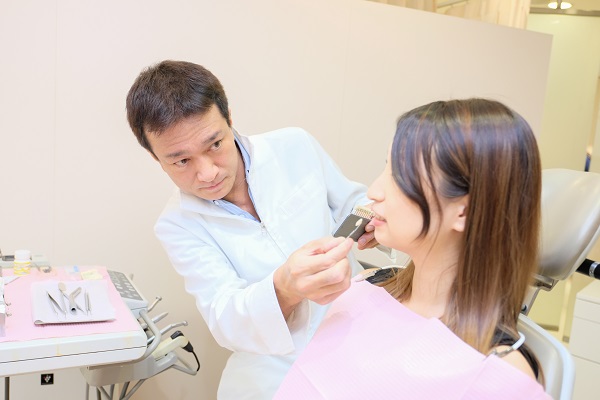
(243, 150)
(224, 204)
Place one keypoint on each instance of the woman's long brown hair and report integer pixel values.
(482, 149)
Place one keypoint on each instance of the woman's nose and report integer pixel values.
(375, 193)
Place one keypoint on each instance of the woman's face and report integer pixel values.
(398, 221)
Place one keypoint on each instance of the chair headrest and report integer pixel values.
(570, 220)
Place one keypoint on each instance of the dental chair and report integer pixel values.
(570, 228)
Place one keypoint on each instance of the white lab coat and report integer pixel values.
(227, 261)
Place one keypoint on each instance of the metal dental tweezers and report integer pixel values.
(54, 304)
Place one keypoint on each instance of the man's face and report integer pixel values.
(200, 156)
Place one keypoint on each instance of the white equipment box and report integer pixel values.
(583, 343)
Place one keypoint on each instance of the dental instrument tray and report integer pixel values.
(68, 302)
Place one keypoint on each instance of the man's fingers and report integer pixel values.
(341, 249)
(323, 245)
(326, 260)
(329, 283)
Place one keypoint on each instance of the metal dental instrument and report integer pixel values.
(154, 303)
(168, 328)
(63, 289)
(54, 304)
(79, 308)
(73, 306)
(88, 305)
(154, 320)
(72, 303)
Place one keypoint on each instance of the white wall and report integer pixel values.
(77, 187)
(572, 79)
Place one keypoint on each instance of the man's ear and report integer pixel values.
(460, 214)
(230, 119)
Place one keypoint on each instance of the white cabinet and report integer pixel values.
(584, 343)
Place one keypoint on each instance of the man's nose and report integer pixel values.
(206, 171)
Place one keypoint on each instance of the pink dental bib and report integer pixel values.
(370, 346)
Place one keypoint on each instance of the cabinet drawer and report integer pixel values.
(586, 378)
(584, 339)
(587, 310)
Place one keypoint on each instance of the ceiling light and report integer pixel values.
(563, 5)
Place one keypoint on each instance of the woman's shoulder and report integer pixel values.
(516, 353)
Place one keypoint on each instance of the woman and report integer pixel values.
(460, 194)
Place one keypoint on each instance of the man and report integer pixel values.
(242, 226)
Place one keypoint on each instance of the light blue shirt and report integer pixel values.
(228, 206)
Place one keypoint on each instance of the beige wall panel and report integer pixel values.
(342, 69)
(402, 58)
(27, 125)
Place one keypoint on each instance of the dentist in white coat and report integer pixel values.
(242, 225)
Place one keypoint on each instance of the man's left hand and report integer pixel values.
(367, 240)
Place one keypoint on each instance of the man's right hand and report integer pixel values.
(318, 271)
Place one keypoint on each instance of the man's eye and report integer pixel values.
(216, 145)
(181, 163)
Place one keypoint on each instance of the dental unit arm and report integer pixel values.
(160, 355)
